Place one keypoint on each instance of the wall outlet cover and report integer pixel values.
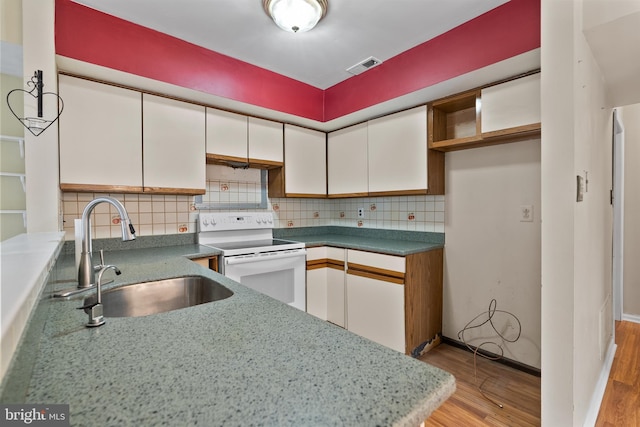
(526, 213)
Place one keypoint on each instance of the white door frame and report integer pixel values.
(618, 215)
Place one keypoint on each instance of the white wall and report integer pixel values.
(12, 196)
(41, 153)
(631, 274)
(576, 237)
(489, 252)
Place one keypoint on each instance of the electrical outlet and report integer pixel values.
(526, 213)
(360, 212)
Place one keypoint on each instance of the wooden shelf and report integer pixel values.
(456, 122)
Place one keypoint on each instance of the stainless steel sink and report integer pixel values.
(142, 299)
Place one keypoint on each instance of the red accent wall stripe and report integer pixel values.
(91, 36)
(499, 34)
(95, 37)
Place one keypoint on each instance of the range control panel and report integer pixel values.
(223, 221)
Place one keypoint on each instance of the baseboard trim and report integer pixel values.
(508, 362)
(631, 318)
(601, 386)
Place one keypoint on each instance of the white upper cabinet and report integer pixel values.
(174, 146)
(305, 168)
(235, 138)
(226, 135)
(347, 167)
(265, 142)
(397, 152)
(100, 137)
(512, 104)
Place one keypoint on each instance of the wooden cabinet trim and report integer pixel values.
(399, 193)
(423, 300)
(376, 273)
(96, 188)
(91, 188)
(264, 164)
(312, 196)
(218, 159)
(524, 131)
(325, 263)
(208, 262)
(178, 191)
(345, 195)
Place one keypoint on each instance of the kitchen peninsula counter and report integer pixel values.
(245, 360)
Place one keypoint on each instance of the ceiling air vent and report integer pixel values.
(364, 65)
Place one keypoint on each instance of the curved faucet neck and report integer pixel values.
(86, 276)
(86, 216)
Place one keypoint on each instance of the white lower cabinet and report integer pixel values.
(375, 295)
(393, 300)
(376, 310)
(326, 284)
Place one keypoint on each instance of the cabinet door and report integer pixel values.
(336, 293)
(317, 292)
(326, 284)
(397, 152)
(375, 297)
(347, 161)
(305, 166)
(174, 146)
(265, 143)
(226, 136)
(511, 105)
(375, 310)
(100, 137)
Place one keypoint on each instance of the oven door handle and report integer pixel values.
(266, 256)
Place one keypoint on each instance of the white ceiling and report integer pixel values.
(351, 31)
(611, 29)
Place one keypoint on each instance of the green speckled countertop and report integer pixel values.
(247, 360)
(392, 242)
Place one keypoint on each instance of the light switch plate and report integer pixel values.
(580, 188)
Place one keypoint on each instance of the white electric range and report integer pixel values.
(252, 257)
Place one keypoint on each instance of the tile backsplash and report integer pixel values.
(170, 214)
(150, 214)
(415, 213)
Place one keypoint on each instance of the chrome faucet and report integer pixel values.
(96, 311)
(86, 271)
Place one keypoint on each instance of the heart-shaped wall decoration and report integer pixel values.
(36, 125)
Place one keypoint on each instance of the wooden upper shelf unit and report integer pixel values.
(503, 112)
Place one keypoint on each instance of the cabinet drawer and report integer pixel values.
(376, 261)
(325, 252)
(325, 257)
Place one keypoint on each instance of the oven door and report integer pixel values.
(279, 274)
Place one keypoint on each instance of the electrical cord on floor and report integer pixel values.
(476, 350)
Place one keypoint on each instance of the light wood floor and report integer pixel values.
(519, 392)
(621, 401)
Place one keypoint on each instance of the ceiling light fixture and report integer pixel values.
(295, 16)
